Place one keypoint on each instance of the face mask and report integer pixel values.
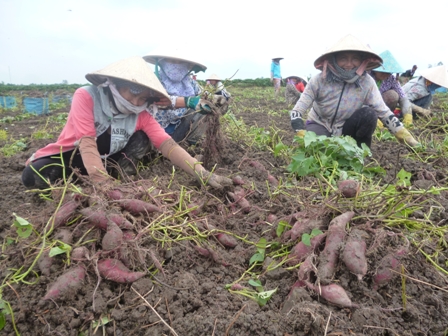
(175, 72)
(122, 104)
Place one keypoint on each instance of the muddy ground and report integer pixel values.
(195, 299)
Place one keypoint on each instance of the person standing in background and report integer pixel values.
(276, 77)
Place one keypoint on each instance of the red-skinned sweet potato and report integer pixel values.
(64, 213)
(334, 294)
(79, 253)
(136, 207)
(329, 256)
(70, 281)
(305, 225)
(305, 269)
(391, 261)
(115, 270)
(99, 218)
(237, 180)
(44, 263)
(349, 188)
(238, 196)
(113, 237)
(301, 251)
(354, 253)
(226, 240)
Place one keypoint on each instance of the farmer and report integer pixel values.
(216, 82)
(407, 75)
(294, 87)
(390, 89)
(111, 122)
(177, 114)
(276, 77)
(421, 89)
(344, 100)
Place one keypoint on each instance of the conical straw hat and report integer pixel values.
(156, 57)
(278, 58)
(350, 43)
(214, 77)
(390, 64)
(298, 78)
(437, 75)
(133, 69)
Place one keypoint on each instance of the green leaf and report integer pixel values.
(256, 257)
(281, 227)
(263, 297)
(254, 283)
(306, 239)
(315, 232)
(261, 245)
(2, 320)
(404, 178)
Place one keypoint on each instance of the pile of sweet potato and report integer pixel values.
(336, 244)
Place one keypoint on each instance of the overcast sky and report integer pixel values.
(48, 41)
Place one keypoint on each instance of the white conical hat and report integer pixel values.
(133, 69)
(350, 43)
(298, 78)
(156, 57)
(214, 77)
(437, 75)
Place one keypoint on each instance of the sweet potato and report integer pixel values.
(67, 282)
(349, 188)
(305, 225)
(196, 208)
(272, 180)
(271, 218)
(329, 256)
(64, 213)
(305, 269)
(115, 194)
(354, 253)
(115, 270)
(391, 261)
(79, 253)
(202, 251)
(257, 165)
(301, 251)
(239, 197)
(136, 207)
(113, 237)
(334, 294)
(237, 180)
(226, 240)
(64, 235)
(44, 263)
(99, 218)
(128, 235)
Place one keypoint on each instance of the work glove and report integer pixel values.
(405, 137)
(301, 133)
(420, 110)
(214, 180)
(407, 120)
(379, 124)
(198, 104)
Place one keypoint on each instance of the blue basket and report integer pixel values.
(36, 105)
(8, 102)
(63, 97)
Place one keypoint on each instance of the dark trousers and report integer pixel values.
(424, 102)
(51, 168)
(360, 126)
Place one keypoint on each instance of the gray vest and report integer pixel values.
(122, 125)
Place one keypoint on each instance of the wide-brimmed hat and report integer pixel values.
(155, 58)
(214, 77)
(133, 69)
(390, 64)
(350, 43)
(277, 58)
(298, 78)
(437, 75)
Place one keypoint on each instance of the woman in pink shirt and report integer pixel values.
(111, 122)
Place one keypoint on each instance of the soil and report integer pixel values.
(194, 298)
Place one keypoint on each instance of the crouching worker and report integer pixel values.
(111, 122)
(182, 114)
(390, 89)
(344, 99)
(421, 89)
